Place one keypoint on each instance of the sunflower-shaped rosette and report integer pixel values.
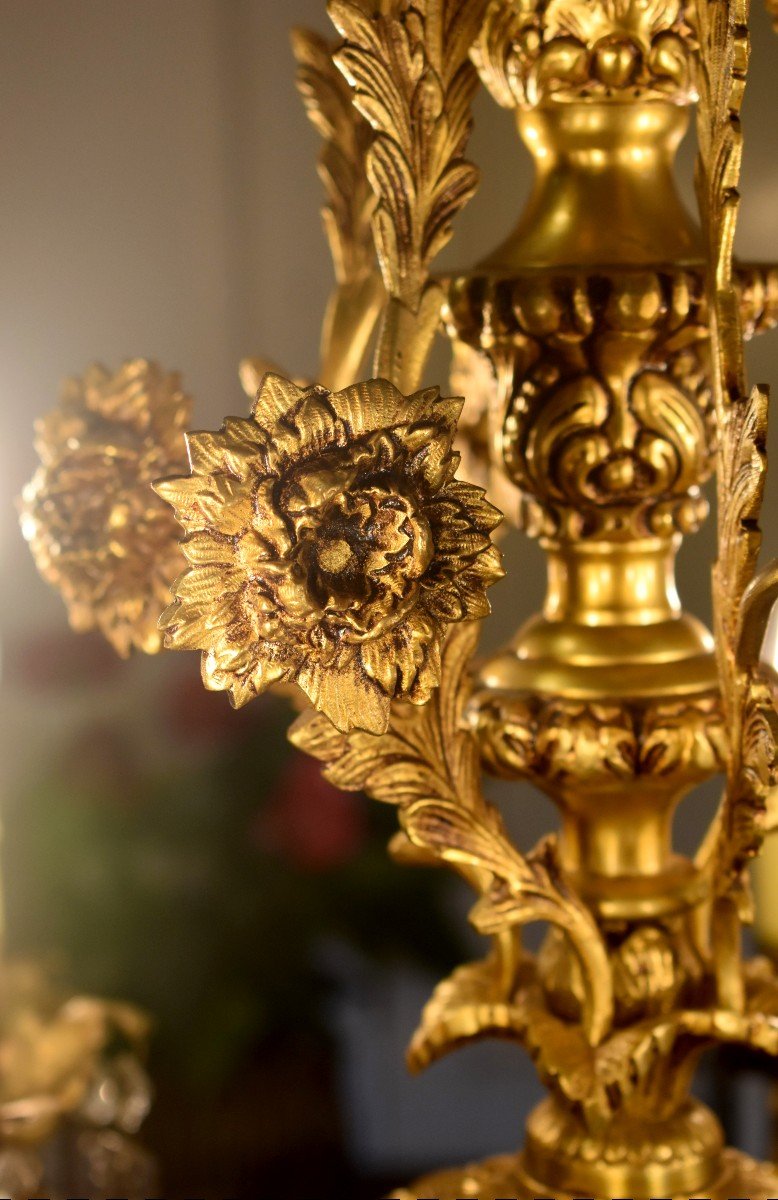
(96, 530)
(330, 546)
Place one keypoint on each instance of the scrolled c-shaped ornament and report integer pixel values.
(330, 545)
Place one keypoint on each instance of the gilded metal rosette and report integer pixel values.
(97, 532)
(330, 545)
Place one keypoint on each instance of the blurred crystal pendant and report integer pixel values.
(79, 1162)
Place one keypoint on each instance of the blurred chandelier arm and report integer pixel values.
(97, 532)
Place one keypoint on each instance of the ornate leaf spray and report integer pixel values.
(428, 765)
(414, 83)
(741, 598)
(410, 68)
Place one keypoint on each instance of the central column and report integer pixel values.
(593, 317)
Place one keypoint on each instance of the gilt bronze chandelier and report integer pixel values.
(340, 541)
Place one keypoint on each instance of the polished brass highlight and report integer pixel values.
(600, 352)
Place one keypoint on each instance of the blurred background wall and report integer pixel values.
(159, 198)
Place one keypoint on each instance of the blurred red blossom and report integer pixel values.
(195, 715)
(310, 823)
(59, 660)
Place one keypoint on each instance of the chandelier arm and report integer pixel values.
(426, 765)
(358, 299)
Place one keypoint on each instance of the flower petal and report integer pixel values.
(275, 399)
(204, 547)
(470, 587)
(205, 586)
(367, 407)
(345, 694)
(428, 676)
(182, 493)
(473, 500)
(239, 444)
(433, 464)
(206, 452)
(265, 673)
(379, 659)
(490, 566)
(192, 628)
(461, 539)
(315, 422)
(445, 604)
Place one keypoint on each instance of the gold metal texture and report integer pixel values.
(531, 52)
(329, 544)
(479, 430)
(738, 1175)
(593, 158)
(97, 532)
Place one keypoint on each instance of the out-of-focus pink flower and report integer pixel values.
(309, 822)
